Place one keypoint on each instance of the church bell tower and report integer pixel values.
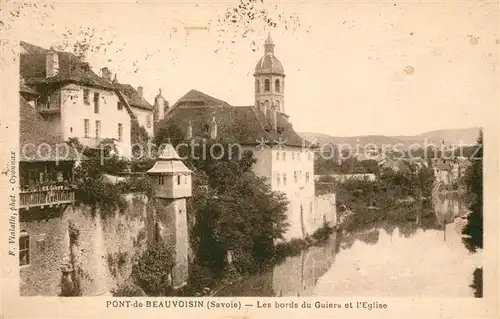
(269, 83)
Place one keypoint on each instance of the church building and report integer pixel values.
(282, 156)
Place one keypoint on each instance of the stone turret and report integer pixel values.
(172, 182)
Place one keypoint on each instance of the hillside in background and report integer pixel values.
(466, 136)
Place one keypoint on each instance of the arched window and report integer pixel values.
(277, 87)
(284, 179)
(257, 86)
(178, 179)
(278, 179)
(278, 106)
(267, 85)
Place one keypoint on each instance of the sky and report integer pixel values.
(352, 67)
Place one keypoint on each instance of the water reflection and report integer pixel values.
(424, 257)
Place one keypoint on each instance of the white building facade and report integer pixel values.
(74, 100)
(283, 158)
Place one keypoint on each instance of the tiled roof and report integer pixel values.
(133, 97)
(34, 131)
(197, 98)
(242, 124)
(33, 49)
(71, 68)
(23, 88)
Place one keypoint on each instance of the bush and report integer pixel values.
(290, 248)
(153, 270)
(128, 290)
(322, 233)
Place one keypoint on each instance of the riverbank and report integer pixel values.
(231, 277)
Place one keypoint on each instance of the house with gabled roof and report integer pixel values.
(75, 101)
(282, 156)
(143, 110)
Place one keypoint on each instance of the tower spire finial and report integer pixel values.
(269, 44)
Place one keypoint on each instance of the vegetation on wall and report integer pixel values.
(91, 187)
(152, 273)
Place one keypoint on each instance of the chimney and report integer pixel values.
(140, 92)
(189, 134)
(213, 127)
(159, 107)
(51, 63)
(106, 74)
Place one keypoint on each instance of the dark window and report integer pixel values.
(119, 105)
(257, 86)
(267, 85)
(120, 131)
(86, 94)
(178, 179)
(24, 248)
(97, 129)
(86, 127)
(96, 103)
(150, 120)
(277, 85)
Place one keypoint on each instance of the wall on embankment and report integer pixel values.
(105, 246)
(325, 211)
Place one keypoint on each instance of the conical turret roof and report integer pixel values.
(169, 162)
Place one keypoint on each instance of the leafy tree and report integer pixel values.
(91, 189)
(153, 270)
(474, 183)
(235, 212)
(144, 152)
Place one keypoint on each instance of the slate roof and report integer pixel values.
(34, 131)
(245, 125)
(133, 97)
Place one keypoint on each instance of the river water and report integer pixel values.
(418, 258)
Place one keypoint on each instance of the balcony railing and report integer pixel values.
(46, 196)
(47, 108)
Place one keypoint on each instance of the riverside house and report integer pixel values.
(73, 100)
